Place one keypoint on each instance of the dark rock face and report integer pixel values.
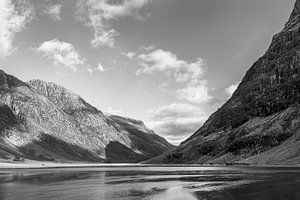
(45, 121)
(263, 112)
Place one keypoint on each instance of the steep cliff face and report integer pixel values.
(45, 121)
(262, 114)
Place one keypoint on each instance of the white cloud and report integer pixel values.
(230, 90)
(195, 88)
(130, 55)
(165, 87)
(99, 68)
(165, 61)
(61, 53)
(53, 11)
(147, 47)
(98, 14)
(103, 37)
(158, 60)
(176, 121)
(197, 93)
(14, 16)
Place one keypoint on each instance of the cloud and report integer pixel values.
(99, 68)
(104, 38)
(176, 121)
(197, 93)
(230, 90)
(165, 87)
(61, 53)
(158, 60)
(98, 14)
(165, 61)
(14, 16)
(147, 47)
(53, 11)
(195, 89)
(130, 55)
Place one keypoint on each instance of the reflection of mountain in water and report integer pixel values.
(131, 183)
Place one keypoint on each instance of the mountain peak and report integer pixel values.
(61, 96)
(46, 121)
(39, 84)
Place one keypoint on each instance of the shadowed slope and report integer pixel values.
(263, 113)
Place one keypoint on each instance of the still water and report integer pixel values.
(151, 183)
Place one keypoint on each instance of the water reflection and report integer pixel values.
(175, 193)
(166, 183)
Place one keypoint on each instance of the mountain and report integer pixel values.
(260, 123)
(45, 121)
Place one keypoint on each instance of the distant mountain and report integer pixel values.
(260, 123)
(45, 121)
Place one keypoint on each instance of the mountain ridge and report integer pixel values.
(271, 87)
(45, 121)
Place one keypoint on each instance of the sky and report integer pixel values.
(170, 63)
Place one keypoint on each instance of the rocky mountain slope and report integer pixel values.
(260, 123)
(45, 121)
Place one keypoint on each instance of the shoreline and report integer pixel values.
(73, 165)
